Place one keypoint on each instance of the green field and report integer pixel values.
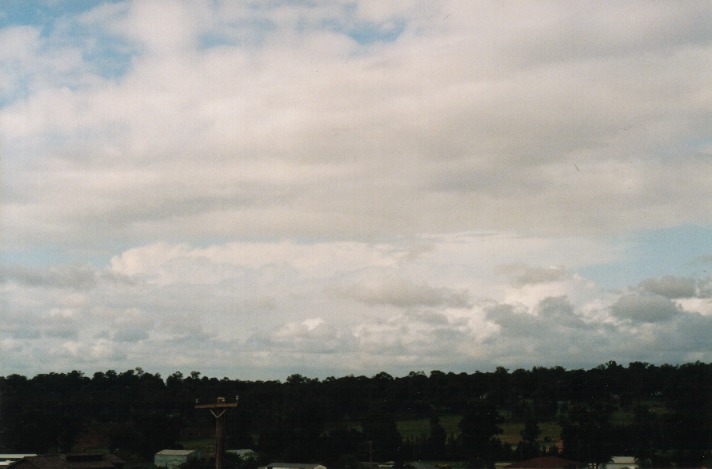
(205, 445)
(418, 428)
(511, 432)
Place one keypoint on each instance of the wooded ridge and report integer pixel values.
(662, 414)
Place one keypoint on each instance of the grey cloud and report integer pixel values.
(522, 274)
(690, 332)
(416, 338)
(705, 288)
(560, 311)
(189, 335)
(21, 333)
(553, 316)
(683, 339)
(61, 333)
(514, 320)
(403, 294)
(556, 333)
(322, 338)
(74, 277)
(412, 253)
(671, 287)
(130, 334)
(589, 34)
(21, 325)
(428, 317)
(166, 205)
(644, 308)
(60, 326)
(484, 177)
(449, 337)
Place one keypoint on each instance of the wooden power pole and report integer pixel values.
(218, 410)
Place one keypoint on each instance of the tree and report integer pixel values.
(478, 427)
(587, 433)
(380, 428)
(435, 445)
(528, 447)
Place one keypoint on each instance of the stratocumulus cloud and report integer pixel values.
(342, 187)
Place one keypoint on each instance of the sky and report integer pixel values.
(257, 189)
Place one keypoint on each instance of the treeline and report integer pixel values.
(660, 414)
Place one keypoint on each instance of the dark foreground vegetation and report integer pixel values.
(660, 414)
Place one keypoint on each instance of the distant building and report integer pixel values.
(242, 453)
(621, 462)
(174, 458)
(547, 462)
(8, 459)
(41, 462)
(290, 465)
(71, 461)
(419, 465)
(94, 461)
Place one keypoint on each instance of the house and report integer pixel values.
(547, 462)
(7, 460)
(54, 461)
(243, 454)
(94, 461)
(71, 461)
(290, 465)
(174, 458)
(621, 462)
(419, 465)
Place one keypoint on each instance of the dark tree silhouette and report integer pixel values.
(478, 428)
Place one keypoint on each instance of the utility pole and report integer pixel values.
(218, 410)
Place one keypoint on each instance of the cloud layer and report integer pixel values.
(335, 187)
(265, 309)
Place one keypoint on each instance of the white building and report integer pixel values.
(621, 462)
(173, 458)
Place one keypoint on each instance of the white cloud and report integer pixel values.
(427, 182)
(522, 275)
(294, 139)
(403, 294)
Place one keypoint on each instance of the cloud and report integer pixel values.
(130, 334)
(74, 277)
(323, 131)
(177, 306)
(671, 287)
(644, 308)
(522, 275)
(309, 336)
(513, 320)
(403, 294)
(354, 186)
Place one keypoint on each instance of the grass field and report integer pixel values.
(511, 432)
(418, 428)
(415, 428)
(205, 445)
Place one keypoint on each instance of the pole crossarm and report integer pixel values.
(222, 405)
(218, 410)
